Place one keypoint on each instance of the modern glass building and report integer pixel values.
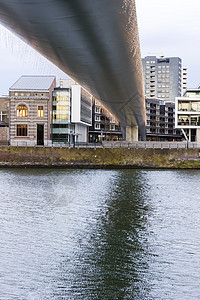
(62, 130)
(71, 113)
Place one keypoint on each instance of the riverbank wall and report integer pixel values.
(99, 157)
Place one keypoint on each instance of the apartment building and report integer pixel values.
(104, 125)
(161, 121)
(187, 114)
(163, 77)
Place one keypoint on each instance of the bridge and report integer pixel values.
(94, 42)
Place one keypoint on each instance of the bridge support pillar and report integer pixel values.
(131, 133)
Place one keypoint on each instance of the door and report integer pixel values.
(40, 134)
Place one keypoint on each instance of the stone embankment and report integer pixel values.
(99, 158)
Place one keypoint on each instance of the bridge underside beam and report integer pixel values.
(95, 42)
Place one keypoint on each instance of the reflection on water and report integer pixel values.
(121, 234)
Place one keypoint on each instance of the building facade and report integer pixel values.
(184, 80)
(104, 124)
(81, 113)
(187, 117)
(161, 121)
(62, 130)
(163, 77)
(30, 110)
(71, 113)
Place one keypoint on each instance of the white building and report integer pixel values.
(71, 113)
(187, 114)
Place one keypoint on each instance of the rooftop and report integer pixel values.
(33, 83)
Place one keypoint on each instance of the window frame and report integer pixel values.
(40, 112)
(20, 111)
(22, 130)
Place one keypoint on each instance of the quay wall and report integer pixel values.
(99, 158)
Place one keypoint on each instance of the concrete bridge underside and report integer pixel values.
(94, 42)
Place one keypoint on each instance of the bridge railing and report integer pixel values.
(150, 145)
(119, 144)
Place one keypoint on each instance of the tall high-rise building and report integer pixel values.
(163, 77)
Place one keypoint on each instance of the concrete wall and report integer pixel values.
(100, 157)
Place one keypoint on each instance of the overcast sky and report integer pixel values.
(172, 28)
(167, 27)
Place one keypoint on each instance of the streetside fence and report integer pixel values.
(119, 145)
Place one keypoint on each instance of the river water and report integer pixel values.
(99, 234)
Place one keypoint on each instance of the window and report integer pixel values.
(22, 111)
(97, 109)
(21, 130)
(97, 126)
(40, 112)
(112, 127)
(97, 118)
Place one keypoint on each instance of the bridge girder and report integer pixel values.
(94, 42)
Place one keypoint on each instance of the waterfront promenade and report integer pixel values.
(174, 155)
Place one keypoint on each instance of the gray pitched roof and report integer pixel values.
(33, 83)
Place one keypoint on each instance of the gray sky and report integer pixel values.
(17, 59)
(170, 28)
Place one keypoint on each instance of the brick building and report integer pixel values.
(30, 110)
